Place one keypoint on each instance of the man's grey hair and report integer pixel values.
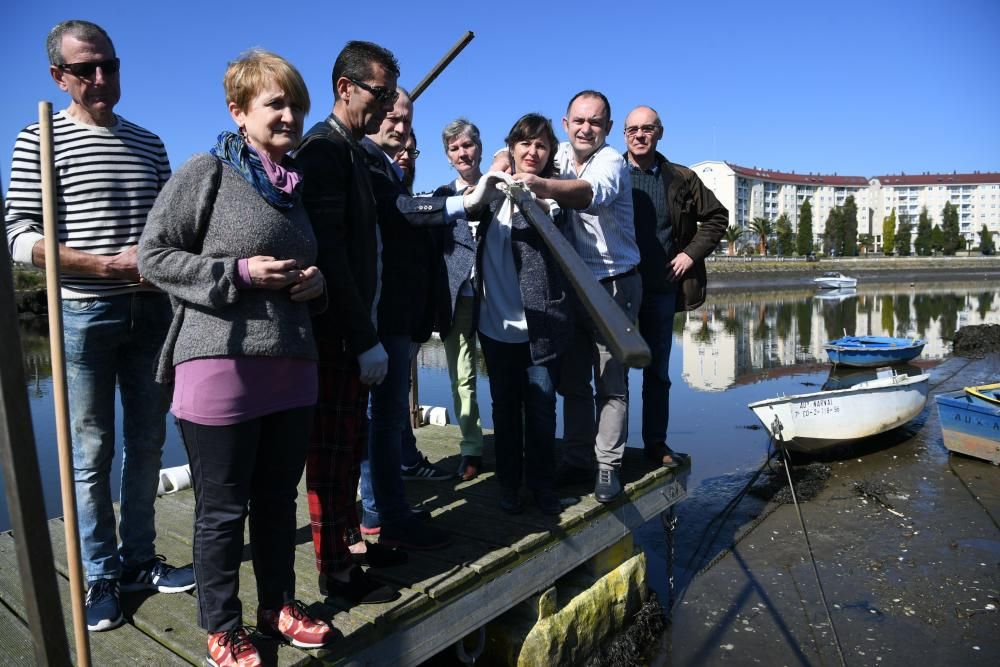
(459, 127)
(85, 31)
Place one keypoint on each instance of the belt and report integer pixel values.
(630, 272)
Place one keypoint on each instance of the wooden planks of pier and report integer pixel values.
(496, 561)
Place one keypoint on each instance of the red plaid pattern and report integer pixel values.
(337, 445)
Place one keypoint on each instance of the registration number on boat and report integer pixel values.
(816, 408)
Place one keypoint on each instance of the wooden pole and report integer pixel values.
(23, 488)
(49, 215)
(415, 417)
(627, 346)
(444, 62)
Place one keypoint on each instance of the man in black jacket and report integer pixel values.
(337, 193)
(668, 201)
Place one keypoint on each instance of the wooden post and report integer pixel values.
(623, 338)
(415, 416)
(444, 62)
(49, 214)
(23, 488)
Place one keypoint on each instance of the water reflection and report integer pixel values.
(736, 336)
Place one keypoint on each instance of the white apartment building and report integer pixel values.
(750, 192)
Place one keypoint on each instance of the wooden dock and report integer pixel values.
(496, 561)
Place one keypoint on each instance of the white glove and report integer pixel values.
(374, 365)
(485, 192)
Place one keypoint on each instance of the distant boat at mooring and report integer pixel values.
(834, 280)
(873, 351)
(818, 420)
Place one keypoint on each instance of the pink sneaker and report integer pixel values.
(232, 648)
(296, 625)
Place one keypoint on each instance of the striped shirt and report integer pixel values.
(603, 234)
(107, 180)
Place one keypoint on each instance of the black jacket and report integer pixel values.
(456, 252)
(337, 194)
(690, 202)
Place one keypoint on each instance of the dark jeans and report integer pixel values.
(656, 324)
(524, 413)
(382, 492)
(252, 467)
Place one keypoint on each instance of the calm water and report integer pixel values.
(737, 349)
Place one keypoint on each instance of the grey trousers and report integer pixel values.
(595, 425)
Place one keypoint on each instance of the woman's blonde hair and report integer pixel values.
(256, 68)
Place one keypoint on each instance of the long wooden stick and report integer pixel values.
(49, 218)
(444, 62)
(25, 498)
(623, 338)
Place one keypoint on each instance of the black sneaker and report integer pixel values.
(425, 470)
(156, 575)
(548, 502)
(358, 589)
(103, 610)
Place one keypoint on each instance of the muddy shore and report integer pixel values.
(906, 538)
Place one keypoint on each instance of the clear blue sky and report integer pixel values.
(853, 87)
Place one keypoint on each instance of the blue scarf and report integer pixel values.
(233, 149)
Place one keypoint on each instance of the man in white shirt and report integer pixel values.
(594, 186)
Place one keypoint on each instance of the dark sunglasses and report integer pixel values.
(381, 94)
(88, 69)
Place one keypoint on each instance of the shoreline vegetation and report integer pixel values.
(724, 273)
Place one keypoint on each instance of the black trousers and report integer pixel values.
(250, 468)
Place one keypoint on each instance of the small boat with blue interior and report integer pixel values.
(834, 280)
(970, 421)
(818, 420)
(873, 351)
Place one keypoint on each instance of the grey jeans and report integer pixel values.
(596, 424)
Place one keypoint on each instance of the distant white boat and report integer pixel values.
(834, 280)
(815, 421)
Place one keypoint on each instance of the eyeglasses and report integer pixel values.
(381, 94)
(87, 70)
(633, 130)
(414, 153)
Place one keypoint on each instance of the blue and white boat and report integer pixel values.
(970, 421)
(834, 280)
(872, 351)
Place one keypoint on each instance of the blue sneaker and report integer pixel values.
(156, 575)
(103, 610)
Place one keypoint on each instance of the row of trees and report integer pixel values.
(840, 235)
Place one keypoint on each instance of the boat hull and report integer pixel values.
(819, 420)
(970, 425)
(873, 351)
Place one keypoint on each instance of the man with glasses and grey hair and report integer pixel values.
(109, 171)
(669, 201)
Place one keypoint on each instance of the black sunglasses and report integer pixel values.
(381, 94)
(88, 69)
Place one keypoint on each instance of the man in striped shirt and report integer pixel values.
(108, 173)
(594, 187)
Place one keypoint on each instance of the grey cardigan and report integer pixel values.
(202, 223)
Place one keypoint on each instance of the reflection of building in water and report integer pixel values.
(726, 341)
(764, 193)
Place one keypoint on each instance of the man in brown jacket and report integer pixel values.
(669, 202)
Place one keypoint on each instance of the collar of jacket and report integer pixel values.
(341, 129)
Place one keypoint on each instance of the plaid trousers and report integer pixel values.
(337, 445)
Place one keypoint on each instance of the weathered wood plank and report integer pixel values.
(16, 644)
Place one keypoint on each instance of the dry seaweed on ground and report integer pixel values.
(977, 340)
(809, 481)
(876, 490)
(638, 640)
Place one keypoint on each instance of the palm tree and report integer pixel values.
(733, 235)
(763, 229)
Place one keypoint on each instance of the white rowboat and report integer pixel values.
(815, 421)
(834, 280)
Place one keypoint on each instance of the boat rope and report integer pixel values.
(972, 493)
(776, 430)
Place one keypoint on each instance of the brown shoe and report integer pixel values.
(666, 457)
(468, 467)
